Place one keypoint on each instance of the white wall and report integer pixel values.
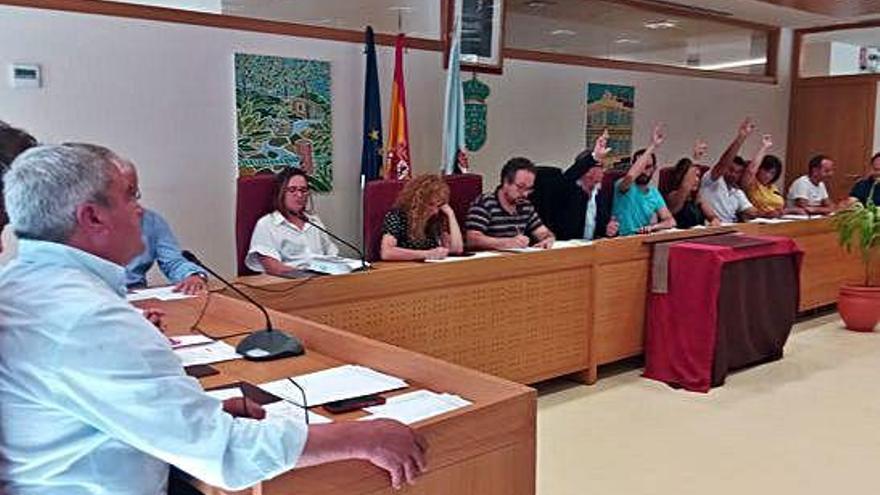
(162, 94)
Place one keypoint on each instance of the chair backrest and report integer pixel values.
(379, 197)
(254, 199)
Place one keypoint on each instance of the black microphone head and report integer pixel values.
(189, 256)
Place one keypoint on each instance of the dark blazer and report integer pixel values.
(562, 204)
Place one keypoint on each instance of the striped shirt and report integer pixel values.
(489, 218)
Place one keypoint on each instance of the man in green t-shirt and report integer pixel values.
(638, 206)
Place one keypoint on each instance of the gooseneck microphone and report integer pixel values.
(261, 345)
(335, 237)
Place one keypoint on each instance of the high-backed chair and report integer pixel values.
(549, 198)
(254, 199)
(379, 197)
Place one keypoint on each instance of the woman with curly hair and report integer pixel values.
(422, 225)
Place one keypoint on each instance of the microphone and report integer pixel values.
(261, 345)
(335, 237)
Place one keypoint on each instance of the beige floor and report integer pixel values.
(809, 423)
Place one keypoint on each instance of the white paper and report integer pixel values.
(284, 409)
(331, 265)
(225, 393)
(477, 255)
(769, 221)
(178, 341)
(529, 249)
(795, 217)
(416, 406)
(571, 244)
(343, 382)
(214, 352)
(161, 293)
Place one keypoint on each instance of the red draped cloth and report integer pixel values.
(729, 303)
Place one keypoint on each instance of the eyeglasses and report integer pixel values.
(295, 190)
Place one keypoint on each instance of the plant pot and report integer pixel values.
(859, 307)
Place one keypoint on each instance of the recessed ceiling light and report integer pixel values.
(537, 4)
(661, 24)
(401, 8)
(562, 32)
(627, 41)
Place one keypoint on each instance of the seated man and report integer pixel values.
(861, 191)
(12, 143)
(286, 239)
(505, 219)
(638, 206)
(808, 192)
(588, 215)
(92, 397)
(161, 247)
(720, 188)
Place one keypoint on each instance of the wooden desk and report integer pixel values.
(486, 448)
(530, 317)
(523, 317)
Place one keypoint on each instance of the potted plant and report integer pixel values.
(858, 227)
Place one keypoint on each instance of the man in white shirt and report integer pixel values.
(808, 192)
(92, 398)
(719, 188)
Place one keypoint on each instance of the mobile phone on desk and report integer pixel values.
(353, 404)
(463, 254)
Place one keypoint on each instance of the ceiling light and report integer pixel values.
(661, 24)
(401, 8)
(562, 32)
(537, 4)
(735, 64)
(627, 41)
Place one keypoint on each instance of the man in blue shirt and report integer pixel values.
(638, 206)
(92, 398)
(160, 247)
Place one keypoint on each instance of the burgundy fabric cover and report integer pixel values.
(682, 325)
(379, 197)
(254, 199)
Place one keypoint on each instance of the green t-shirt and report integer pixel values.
(635, 208)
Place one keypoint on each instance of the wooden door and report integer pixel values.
(833, 116)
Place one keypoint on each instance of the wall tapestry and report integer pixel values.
(611, 107)
(284, 117)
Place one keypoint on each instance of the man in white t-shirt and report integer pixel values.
(719, 188)
(808, 192)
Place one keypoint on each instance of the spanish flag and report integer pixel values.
(398, 165)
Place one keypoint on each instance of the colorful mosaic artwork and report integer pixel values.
(284, 117)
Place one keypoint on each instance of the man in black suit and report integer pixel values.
(587, 210)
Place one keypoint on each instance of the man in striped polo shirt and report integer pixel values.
(505, 219)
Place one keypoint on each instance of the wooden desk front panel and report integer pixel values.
(619, 318)
(525, 317)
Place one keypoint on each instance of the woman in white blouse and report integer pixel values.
(285, 239)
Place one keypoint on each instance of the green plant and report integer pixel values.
(858, 227)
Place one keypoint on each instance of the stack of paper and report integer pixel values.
(416, 406)
(770, 221)
(795, 217)
(214, 352)
(571, 243)
(284, 409)
(225, 393)
(161, 293)
(529, 249)
(179, 341)
(475, 256)
(343, 382)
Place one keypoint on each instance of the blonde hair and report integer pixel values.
(416, 199)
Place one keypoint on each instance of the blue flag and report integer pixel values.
(371, 154)
(454, 156)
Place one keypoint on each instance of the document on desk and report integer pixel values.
(416, 406)
(214, 352)
(225, 393)
(285, 409)
(529, 249)
(343, 382)
(161, 293)
(796, 217)
(571, 243)
(770, 221)
(477, 255)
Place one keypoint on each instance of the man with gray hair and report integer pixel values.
(92, 398)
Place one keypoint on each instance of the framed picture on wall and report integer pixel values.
(482, 34)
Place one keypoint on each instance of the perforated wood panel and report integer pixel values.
(524, 329)
(619, 322)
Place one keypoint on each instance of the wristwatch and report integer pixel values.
(201, 276)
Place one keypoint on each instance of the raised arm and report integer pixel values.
(748, 178)
(638, 167)
(745, 129)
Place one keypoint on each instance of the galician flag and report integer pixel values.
(455, 159)
(398, 165)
